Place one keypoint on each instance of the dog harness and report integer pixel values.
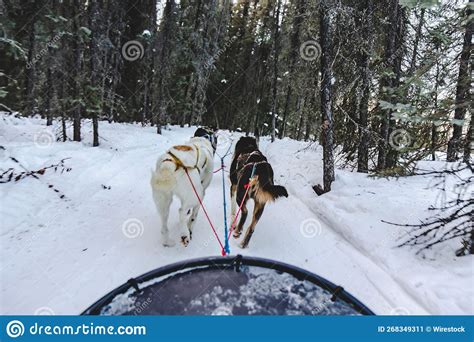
(179, 163)
(242, 165)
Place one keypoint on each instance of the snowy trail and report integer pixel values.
(63, 255)
(366, 271)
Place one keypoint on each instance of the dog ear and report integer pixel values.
(200, 132)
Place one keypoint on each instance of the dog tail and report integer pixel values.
(275, 191)
(163, 176)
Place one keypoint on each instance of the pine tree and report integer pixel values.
(463, 86)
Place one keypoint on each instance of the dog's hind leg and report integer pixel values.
(233, 202)
(163, 202)
(243, 217)
(192, 220)
(257, 213)
(185, 215)
(189, 205)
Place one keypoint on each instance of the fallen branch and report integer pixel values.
(11, 174)
(454, 220)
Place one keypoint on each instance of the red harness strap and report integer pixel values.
(232, 227)
(247, 187)
(205, 212)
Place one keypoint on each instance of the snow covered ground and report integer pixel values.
(60, 255)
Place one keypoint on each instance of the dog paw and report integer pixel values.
(236, 234)
(185, 240)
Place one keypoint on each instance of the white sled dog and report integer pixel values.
(169, 178)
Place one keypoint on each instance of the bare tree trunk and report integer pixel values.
(276, 51)
(162, 63)
(63, 126)
(419, 28)
(49, 95)
(77, 72)
(363, 149)
(94, 63)
(30, 74)
(307, 130)
(50, 73)
(468, 143)
(295, 41)
(434, 129)
(326, 96)
(392, 153)
(63, 115)
(388, 81)
(462, 88)
(63, 109)
(262, 69)
(299, 110)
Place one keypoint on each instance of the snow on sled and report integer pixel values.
(228, 286)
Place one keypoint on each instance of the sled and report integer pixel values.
(238, 285)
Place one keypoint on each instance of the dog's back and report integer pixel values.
(170, 165)
(263, 188)
(248, 159)
(243, 146)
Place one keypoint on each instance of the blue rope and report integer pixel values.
(253, 170)
(226, 228)
(226, 243)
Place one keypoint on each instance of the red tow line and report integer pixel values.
(232, 226)
(205, 212)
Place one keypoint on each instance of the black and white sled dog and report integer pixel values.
(169, 178)
(247, 157)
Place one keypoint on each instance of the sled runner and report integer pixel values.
(228, 286)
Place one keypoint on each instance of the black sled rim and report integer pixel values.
(229, 263)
